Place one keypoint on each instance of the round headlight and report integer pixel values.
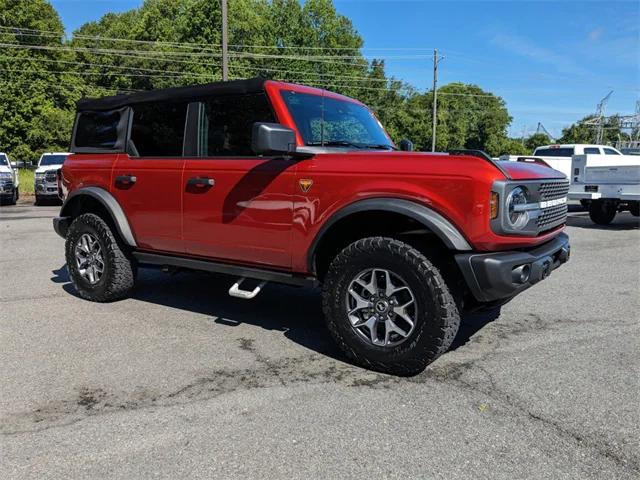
(517, 217)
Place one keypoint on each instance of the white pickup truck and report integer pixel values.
(608, 185)
(9, 181)
(559, 157)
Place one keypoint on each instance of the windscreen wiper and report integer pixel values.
(381, 146)
(335, 143)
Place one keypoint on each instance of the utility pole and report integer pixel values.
(435, 98)
(225, 41)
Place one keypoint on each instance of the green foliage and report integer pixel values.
(536, 140)
(581, 133)
(36, 102)
(27, 181)
(578, 133)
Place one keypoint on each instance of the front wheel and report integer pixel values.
(388, 307)
(602, 212)
(99, 268)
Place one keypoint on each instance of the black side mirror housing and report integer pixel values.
(272, 139)
(406, 145)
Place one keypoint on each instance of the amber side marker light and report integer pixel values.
(493, 205)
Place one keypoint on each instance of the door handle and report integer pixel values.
(126, 180)
(201, 182)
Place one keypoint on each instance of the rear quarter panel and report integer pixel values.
(88, 170)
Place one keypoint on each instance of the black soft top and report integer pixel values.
(190, 93)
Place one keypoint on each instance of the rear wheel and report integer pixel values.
(634, 208)
(99, 268)
(388, 307)
(602, 212)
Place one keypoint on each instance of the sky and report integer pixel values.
(552, 61)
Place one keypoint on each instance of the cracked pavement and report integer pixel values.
(183, 381)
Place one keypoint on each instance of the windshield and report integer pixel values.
(52, 159)
(324, 121)
(4, 161)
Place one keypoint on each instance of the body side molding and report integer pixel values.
(428, 217)
(112, 206)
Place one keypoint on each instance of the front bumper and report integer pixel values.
(7, 188)
(46, 189)
(61, 225)
(502, 275)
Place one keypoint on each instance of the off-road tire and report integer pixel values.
(438, 317)
(120, 269)
(634, 208)
(602, 213)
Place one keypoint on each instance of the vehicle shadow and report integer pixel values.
(296, 312)
(623, 221)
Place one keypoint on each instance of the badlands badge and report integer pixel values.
(305, 184)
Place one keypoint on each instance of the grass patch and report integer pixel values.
(27, 181)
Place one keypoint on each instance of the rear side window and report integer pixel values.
(227, 121)
(591, 151)
(610, 151)
(554, 152)
(158, 129)
(98, 130)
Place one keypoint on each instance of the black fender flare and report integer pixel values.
(439, 225)
(110, 204)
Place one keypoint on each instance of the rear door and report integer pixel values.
(147, 181)
(237, 206)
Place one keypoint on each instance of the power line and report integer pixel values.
(53, 33)
(242, 67)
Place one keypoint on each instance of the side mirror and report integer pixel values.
(406, 145)
(272, 139)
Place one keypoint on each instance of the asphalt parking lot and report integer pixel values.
(182, 381)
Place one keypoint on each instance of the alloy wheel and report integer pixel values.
(381, 307)
(89, 260)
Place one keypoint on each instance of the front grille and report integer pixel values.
(51, 176)
(553, 190)
(551, 217)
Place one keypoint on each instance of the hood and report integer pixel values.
(5, 169)
(411, 163)
(527, 171)
(46, 168)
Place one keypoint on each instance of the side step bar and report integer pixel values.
(227, 269)
(236, 291)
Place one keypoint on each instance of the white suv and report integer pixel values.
(9, 181)
(46, 184)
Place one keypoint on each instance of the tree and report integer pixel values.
(536, 140)
(36, 95)
(580, 132)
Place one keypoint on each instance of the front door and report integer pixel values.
(237, 206)
(147, 182)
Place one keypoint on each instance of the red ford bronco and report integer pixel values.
(274, 182)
